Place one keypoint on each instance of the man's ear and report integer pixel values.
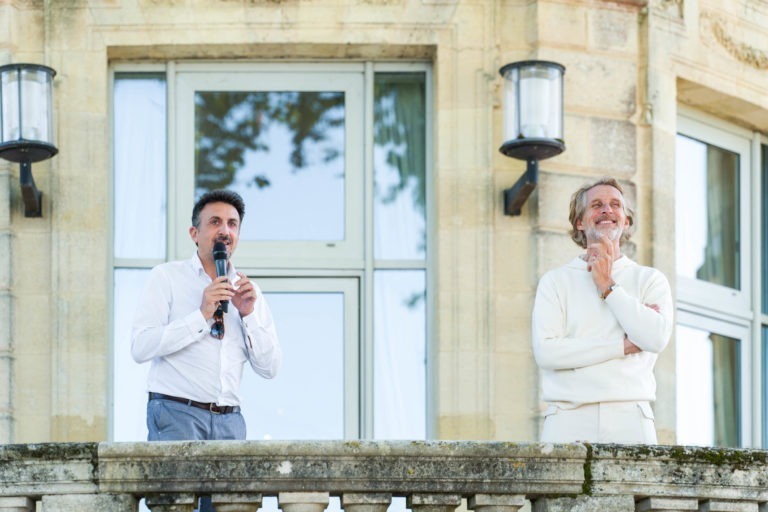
(193, 233)
(579, 225)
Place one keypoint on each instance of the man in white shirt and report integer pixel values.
(196, 349)
(599, 323)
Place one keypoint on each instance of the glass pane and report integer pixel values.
(140, 166)
(765, 386)
(399, 166)
(306, 399)
(707, 374)
(707, 213)
(764, 227)
(399, 333)
(129, 407)
(283, 152)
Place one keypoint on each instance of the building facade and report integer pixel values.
(416, 288)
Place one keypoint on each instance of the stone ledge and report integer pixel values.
(488, 474)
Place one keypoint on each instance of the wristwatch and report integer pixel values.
(607, 292)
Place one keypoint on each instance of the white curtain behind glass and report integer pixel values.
(140, 167)
(129, 396)
(691, 206)
(400, 167)
(399, 354)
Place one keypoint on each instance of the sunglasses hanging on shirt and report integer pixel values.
(217, 329)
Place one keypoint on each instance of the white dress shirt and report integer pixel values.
(170, 331)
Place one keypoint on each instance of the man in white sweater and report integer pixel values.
(599, 323)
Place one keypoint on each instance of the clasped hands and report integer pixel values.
(242, 295)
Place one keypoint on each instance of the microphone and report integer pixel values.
(220, 259)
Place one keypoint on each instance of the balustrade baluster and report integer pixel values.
(496, 502)
(236, 502)
(728, 506)
(176, 502)
(655, 504)
(17, 504)
(87, 503)
(622, 503)
(366, 502)
(303, 501)
(433, 502)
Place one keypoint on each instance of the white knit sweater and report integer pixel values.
(578, 338)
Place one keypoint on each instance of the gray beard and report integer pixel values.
(594, 235)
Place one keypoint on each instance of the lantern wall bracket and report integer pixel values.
(29, 193)
(530, 150)
(517, 194)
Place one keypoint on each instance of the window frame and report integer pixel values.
(192, 77)
(349, 287)
(709, 295)
(364, 271)
(710, 302)
(740, 331)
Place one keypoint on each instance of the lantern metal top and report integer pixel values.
(526, 63)
(20, 66)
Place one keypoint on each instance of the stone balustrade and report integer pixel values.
(433, 476)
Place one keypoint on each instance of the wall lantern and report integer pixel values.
(533, 122)
(26, 124)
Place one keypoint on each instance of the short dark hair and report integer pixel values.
(579, 204)
(218, 196)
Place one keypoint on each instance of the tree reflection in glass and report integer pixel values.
(399, 166)
(282, 151)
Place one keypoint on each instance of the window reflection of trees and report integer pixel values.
(229, 124)
(400, 131)
(399, 127)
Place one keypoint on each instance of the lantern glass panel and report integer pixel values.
(27, 105)
(533, 102)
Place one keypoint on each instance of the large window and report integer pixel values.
(718, 336)
(333, 163)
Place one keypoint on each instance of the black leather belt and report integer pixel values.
(215, 409)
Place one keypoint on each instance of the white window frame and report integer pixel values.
(180, 247)
(350, 288)
(711, 302)
(709, 295)
(742, 333)
(192, 77)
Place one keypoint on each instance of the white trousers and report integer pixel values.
(603, 422)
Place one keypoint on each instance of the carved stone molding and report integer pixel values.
(716, 26)
(671, 7)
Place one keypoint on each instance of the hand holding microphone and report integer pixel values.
(220, 259)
